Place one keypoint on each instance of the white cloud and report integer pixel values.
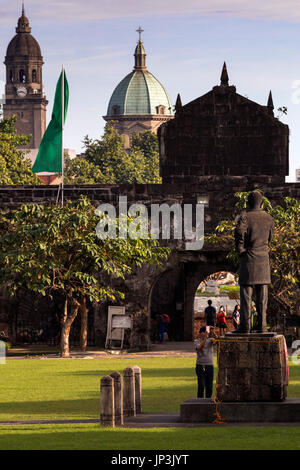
(91, 10)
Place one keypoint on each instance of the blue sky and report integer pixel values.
(186, 44)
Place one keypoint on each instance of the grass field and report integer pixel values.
(65, 389)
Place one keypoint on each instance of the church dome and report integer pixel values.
(23, 43)
(140, 93)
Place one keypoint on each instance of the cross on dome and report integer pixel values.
(140, 31)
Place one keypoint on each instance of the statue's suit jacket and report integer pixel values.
(253, 233)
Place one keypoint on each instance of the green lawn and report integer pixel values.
(92, 437)
(55, 388)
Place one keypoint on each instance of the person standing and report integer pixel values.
(205, 363)
(210, 314)
(221, 321)
(254, 318)
(164, 321)
(236, 316)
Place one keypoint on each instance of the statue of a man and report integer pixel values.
(253, 233)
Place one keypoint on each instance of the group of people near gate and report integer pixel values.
(208, 337)
(218, 320)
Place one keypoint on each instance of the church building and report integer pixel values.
(24, 91)
(139, 102)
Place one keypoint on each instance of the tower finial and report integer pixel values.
(140, 31)
(270, 104)
(224, 76)
(23, 23)
(178, 103)
(270, 101)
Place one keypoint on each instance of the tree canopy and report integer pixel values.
(54, 249)
(15, 168)
(107, 161)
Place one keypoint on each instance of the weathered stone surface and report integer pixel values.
(118, 398)
(223, 133)
(203, 410)
(129, 392)
(138, 388)
(256, 375)
(107, 401)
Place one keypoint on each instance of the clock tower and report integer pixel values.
(24, 93)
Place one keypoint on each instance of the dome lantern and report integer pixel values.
(23, 23)
(140, 54)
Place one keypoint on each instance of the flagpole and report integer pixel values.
(62, 133)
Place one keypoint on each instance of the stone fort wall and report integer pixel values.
(186, 269)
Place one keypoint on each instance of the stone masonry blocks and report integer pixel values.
(251, 368)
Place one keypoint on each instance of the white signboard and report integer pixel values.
(121, 321)
(116, 334)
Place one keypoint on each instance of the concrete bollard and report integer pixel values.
(107, 401)
(138, 389)
(129, 392)
(118, 396)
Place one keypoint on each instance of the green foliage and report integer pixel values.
(15, 169)
(284, 248)
(147, 144)
(53, 248)
(49, 249)
(225, 289)
(80, 171)
(138, 164)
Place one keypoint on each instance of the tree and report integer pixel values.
(284, 248)
(138, 164)
(147, 143)
(14, 167)
(54, 249)
(110, 156)
(80, 171)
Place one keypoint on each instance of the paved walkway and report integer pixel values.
(142, 421)
(182, 349)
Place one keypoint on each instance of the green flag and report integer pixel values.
(49, 157)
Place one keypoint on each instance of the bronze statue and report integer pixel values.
(253, 233)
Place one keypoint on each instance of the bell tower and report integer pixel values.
(24, 94)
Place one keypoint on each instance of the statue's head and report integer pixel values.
(255, 200)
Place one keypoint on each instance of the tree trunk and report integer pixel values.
(66, 327)
(84, 325)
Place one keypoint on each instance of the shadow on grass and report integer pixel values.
(89, 407)
(164, 398)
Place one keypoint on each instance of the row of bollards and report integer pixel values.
(120, 398)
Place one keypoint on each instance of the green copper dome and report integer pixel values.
(140, 92)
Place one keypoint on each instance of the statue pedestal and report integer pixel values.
(251, 367)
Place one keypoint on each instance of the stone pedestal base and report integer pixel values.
(251, 368)
(203, 410)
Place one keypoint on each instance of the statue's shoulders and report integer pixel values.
(254, 215)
